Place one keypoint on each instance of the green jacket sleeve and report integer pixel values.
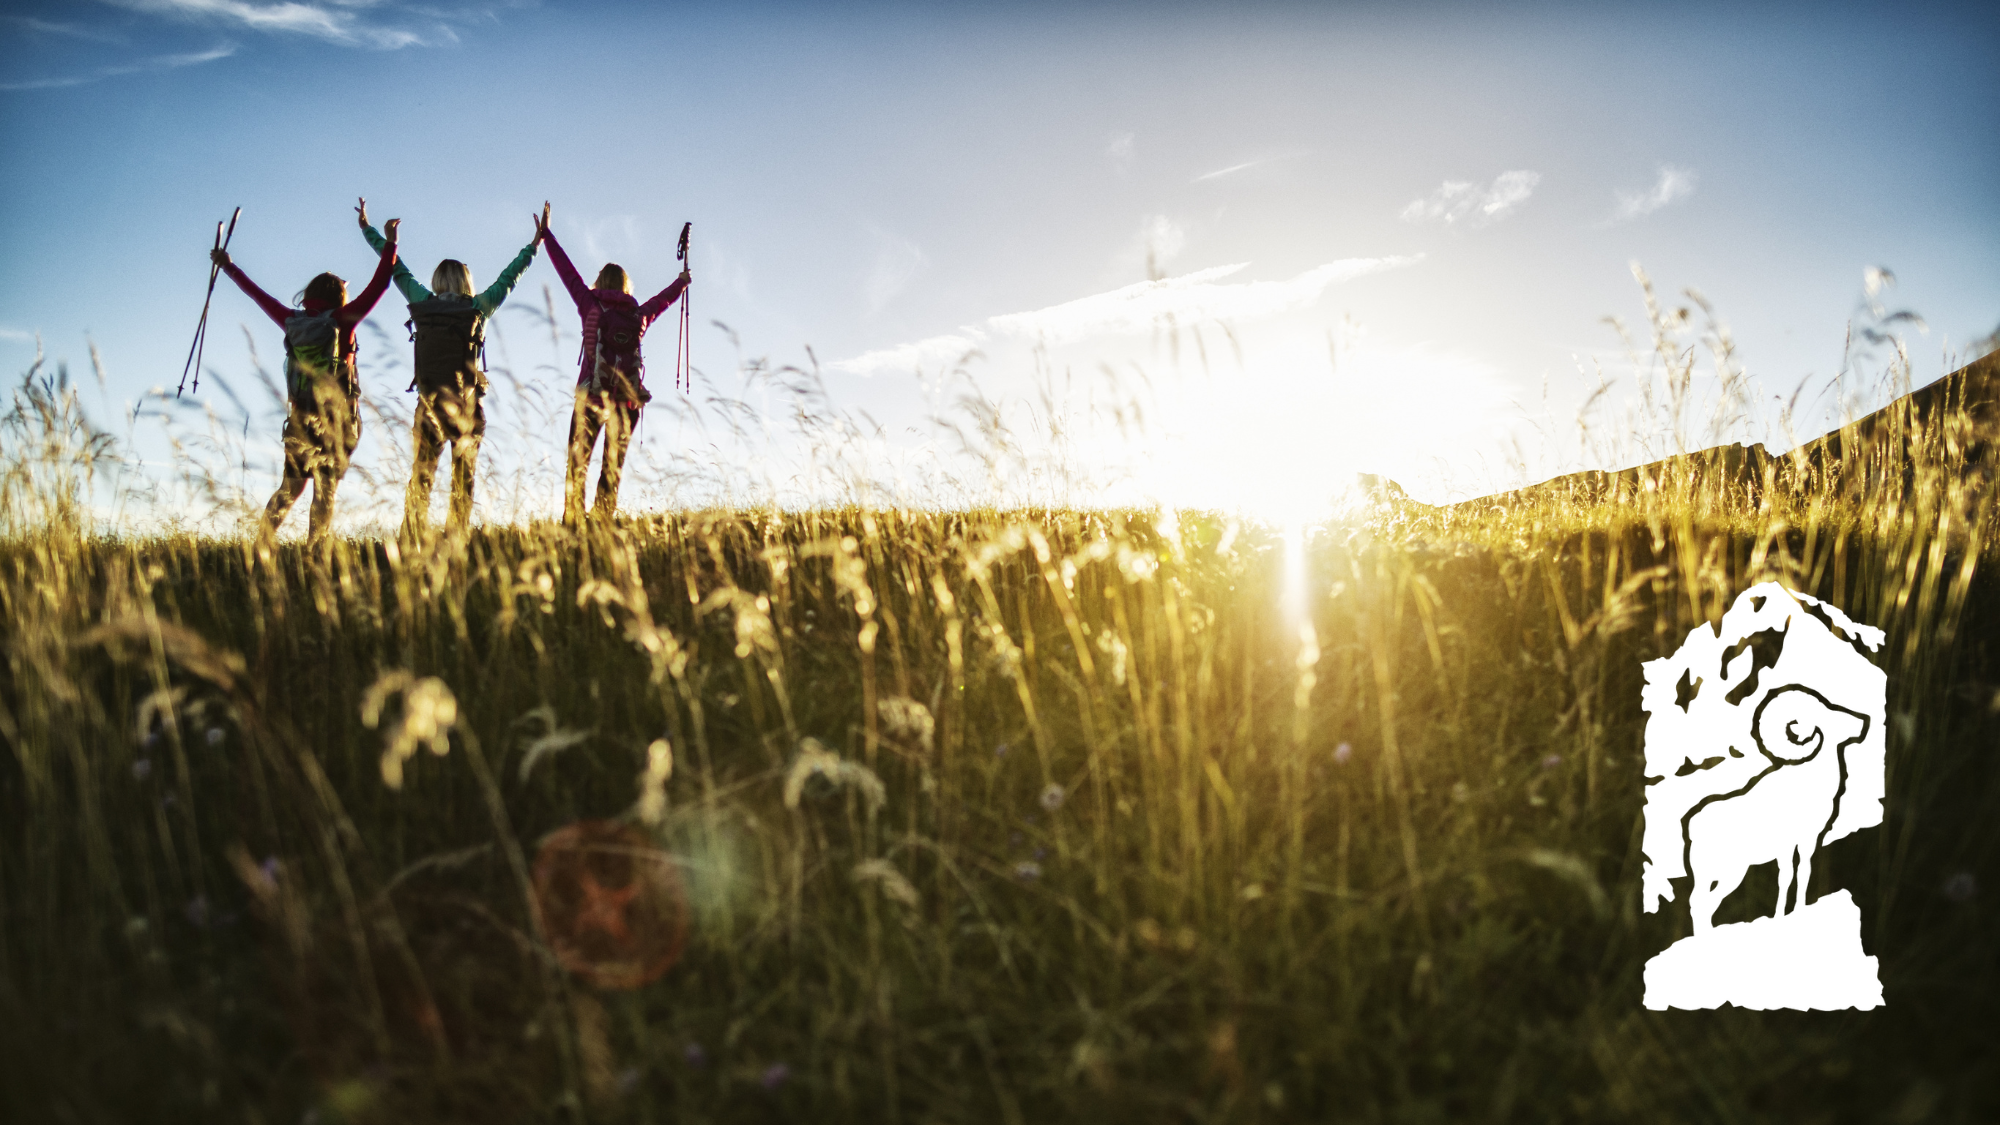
(412, 291)
(504, 284)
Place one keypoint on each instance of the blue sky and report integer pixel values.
(1392, 231)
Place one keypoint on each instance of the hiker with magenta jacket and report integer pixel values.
(322, 388)
(448, 326)
(610, 384)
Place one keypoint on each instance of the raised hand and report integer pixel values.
(389, 229)
(363, 212)
(219, 256)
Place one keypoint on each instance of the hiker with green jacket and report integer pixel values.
(449, 324)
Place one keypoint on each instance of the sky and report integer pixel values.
(1201, 254)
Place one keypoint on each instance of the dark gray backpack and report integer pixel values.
(450, 333)
(315, 365)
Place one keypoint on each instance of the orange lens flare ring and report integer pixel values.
(612, 903)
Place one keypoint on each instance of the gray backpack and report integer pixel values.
(315, 366)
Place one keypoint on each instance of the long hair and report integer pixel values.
(327, 288)
(613, 276)
(452, 278)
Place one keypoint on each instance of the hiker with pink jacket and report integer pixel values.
(610, 382)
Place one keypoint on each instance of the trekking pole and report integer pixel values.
(683, 345)
(198, 349)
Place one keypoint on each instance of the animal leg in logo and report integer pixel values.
(1763, 743)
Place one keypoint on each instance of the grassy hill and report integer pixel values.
(1007, 816)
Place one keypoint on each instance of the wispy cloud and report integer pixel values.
(1221, 172)
(1121, 149)
(1457, 200)
(1244, 167)
(156, 63)
(897, 263)
(1188, 299)
(336, 22)
(69, 30)
(1674, 184)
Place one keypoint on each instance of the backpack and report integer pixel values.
(450, 334)
(315, 362)
(618, 369)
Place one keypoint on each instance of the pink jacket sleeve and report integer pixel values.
(578, 291)
(661, 302)
(354, 311)
(272, 307)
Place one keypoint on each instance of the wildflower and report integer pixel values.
(907, 723)
(1041, 853)
(142, 769)
(1052, 797)
(1961, 887)
(1552, 761)
(694, 1056)
(1000, 751)
(884, 874)
(774, 1076)
(1342, 752)
(214, 736)
(1027, 871)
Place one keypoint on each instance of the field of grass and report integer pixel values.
(1009, 816)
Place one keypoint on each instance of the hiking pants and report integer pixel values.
(318, 445)
(596, 413)
(444, 417)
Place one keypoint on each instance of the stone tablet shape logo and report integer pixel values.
(1763, 743)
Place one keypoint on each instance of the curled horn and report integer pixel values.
(1792, 723)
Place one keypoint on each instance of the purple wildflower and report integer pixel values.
(1552, 761)
(1000, 751)
(215, 736)
(142, 769)
(1342, 752)
(694, 1055)
(774, 1076)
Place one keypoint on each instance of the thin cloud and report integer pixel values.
(1221, 172)
(897, 263)
(154, 64)
(1674, 184)
(333, 23)
(1457, 200)
(50, 27)
(1190, 298)
(1243, 167)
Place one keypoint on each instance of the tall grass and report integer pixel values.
(1010, 815)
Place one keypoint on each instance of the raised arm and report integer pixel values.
(353, 311)
(663, 300)
(272, 307)
(412, 290)
(496, 293)
(578, 291)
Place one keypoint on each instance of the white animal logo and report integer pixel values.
(1764, 742)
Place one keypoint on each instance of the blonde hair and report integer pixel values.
(452, 278)
(613, 276)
